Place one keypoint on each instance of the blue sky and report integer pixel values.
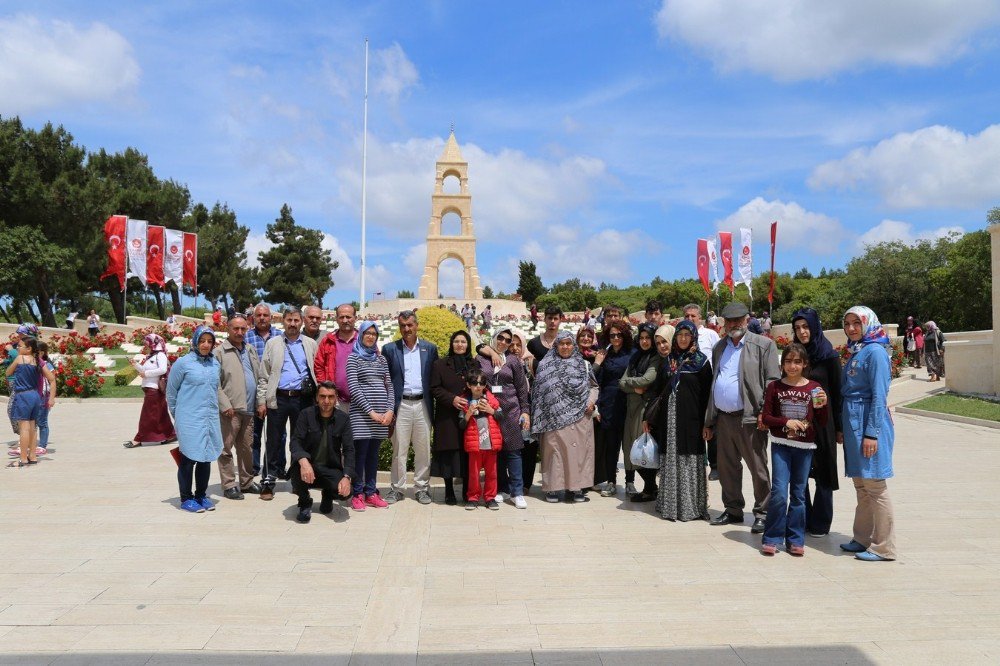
(603, 138)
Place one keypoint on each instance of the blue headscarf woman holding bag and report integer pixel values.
(193, 400)
(868, 434)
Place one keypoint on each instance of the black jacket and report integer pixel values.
(308, 436)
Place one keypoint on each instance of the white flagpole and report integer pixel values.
(364, 184)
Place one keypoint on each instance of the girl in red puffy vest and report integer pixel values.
(482, 438)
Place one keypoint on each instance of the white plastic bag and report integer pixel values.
(645, 452)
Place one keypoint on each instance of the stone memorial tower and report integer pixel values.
(441, 247)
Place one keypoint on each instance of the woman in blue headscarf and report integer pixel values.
(824, 368)
(868, 434)
(371, 413)
(193, 400)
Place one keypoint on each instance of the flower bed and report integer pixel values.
(76, 343)
(76, 377)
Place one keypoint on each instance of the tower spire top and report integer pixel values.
(451, 151)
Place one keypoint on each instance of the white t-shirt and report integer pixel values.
(707, 339)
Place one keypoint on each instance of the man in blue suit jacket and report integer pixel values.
(410, 361)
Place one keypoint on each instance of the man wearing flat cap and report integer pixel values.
(743, 364)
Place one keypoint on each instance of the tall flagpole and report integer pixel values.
(364, 184)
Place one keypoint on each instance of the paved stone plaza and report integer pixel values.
(101, 567)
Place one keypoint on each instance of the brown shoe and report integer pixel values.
(267, 493)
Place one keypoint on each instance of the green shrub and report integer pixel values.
(125, 376)
(437, 326)
(4, 387)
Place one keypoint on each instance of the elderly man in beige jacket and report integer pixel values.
(239, 371)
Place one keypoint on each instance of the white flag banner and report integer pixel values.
(173, 256)
(713, 261)
(745, 262)
(135, 242)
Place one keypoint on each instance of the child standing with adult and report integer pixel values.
(483, 439)
(794, 408)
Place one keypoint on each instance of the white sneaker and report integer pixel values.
(520, 502)
(503, 497)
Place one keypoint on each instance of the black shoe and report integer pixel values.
(727, 519)
(450, 500)
(304, 515)
(253, 488)
(642, 497)
(758, 526)
(713, 474)
(233, 493)
(326, 506)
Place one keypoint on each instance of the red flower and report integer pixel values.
(79, 389)
(100, 380)
(72, 381)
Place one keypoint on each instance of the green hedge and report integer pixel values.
(125, 376)
(385, 457)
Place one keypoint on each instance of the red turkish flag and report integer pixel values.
(191, 260)
(154, 255)
(114, 234)
(703, 264)
(726, 251)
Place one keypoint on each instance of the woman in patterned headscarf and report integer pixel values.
(934, 351)
(868, 434)
(154, 420)
(561, 417)
(683, 384)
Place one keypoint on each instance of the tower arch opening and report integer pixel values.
(451, 223)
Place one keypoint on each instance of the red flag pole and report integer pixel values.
(774, 236)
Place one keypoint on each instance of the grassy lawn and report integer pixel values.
(112, 391)
(952, 404)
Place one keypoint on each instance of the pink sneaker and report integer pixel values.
(40, 451)
(375, 500)
(358, 503)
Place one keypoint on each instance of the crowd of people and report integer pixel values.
(313, 410)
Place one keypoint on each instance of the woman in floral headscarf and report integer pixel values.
(154, 420)
(868, 434)
(934, 351)
(683, 385)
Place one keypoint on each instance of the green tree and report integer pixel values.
(961, 289)
(529, 285)
(488, 292)
(46, 192)
(296, 269)
(222, 255)
(404, 293)
(803, 274)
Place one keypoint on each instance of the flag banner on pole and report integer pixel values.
(154, 255)
(745, 261)
(726, 252)
(713, 261)
(114, 234)
(135, 241)
(703, 264)
(173, 256)
(774, 237)
(191, 260)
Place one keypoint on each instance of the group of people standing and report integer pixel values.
(575, 401)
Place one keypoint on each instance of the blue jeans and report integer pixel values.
(786, 510)
(509, 464)
(365, 466)
(43, 424)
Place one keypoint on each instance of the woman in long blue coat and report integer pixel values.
(193, 400)
(868, 434)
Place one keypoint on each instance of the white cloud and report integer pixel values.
(797, 227)
(394, 72)
(893, 230)
(934, 166)
(791, 40)
(512, 193)
(605, 256)
(43, 65)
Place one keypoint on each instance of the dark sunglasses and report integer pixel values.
(504, 338)
(478, 382)
(615, 335)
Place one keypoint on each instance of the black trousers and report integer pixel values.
(277, 420)
(648, 477)
(190, 470)
(529, 460)
(819, 509)
(713, 453)
(606, 452)
(327, 479)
